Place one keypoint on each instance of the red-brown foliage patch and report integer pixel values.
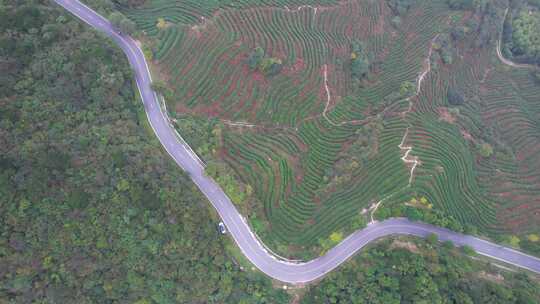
(445, 115)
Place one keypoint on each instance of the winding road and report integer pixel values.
(249, 244)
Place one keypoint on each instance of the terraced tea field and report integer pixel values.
(318, 148)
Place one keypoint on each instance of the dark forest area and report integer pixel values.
(92, 209)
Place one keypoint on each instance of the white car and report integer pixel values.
(222, 228)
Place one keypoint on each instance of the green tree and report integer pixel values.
(359, 67)
(407, 89)
(116, 19)
(127, 26)
(122, 23)
(461, 4)
(455, 98)
(161, 23)
(336, 237)
(386, 274)
(161, 87)
(536, 76)
(255, 57)
(76, 164)
(486, 150)
(359, 60)
(400, 7)
(468, 250)
(514, 241)
(130, 3)
(270, 66)
(413, 213)
(526, 36)
(359, 222)
(432, 238)
(448, 245)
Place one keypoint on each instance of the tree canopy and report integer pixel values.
(455, 97)
(408, 271)
(526, 36)
(359, 60)
(461, 4)
(122, 23)
(269, 66)
(92, 209)
(400, 7)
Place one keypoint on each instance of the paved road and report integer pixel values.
(285, 271)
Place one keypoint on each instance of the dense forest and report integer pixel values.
(522, 31)
(91, 208)
(409, 271)
(93, 211)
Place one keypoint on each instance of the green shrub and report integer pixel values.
(455, 97)
(255, 58)
(468, 250)
(359, 60)
(269, 66)
(536, 77)
(485, 149)
(161, 87)
(526, 36)
(461, 4)
(432, 238)
(448, 245)
(407, 89)
(401, 7)
(232, 187)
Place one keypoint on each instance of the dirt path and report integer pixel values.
(413, 159)
(314, 8)
(407, 158)
(327, 107)
(407, 149)
(238, 124)
(328, 98)
(242, 124)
